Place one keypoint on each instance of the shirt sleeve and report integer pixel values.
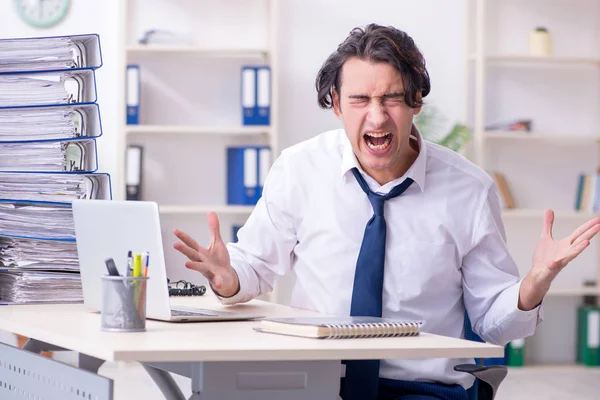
(491, 281)
(266, 241)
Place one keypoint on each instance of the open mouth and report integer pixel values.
(378, 140)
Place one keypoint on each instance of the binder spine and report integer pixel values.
(133, 94)
(134, 172)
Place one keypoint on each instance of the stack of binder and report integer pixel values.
(49, 123)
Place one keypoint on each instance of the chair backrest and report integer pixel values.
(470, 335)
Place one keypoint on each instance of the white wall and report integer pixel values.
(312, 29)
(86, 17)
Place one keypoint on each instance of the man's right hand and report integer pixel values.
(212, 262)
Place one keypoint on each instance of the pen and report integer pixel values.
(147, 257)
(129, 264)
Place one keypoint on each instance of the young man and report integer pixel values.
(374, 220)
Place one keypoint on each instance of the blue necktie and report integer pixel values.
(362, 376)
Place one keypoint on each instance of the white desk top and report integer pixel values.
(74, 328)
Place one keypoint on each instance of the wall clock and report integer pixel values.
(42, 13)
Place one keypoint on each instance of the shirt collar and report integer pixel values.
(417, 170)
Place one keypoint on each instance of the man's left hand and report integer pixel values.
(550, 257)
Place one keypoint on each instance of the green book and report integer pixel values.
(588, 335)
(515, 353)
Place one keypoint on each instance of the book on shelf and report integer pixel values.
(339, 327)
(49, 124)
(587, 197)
(506, 196)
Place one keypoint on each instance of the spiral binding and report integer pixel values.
(369, 330)
(188, 289)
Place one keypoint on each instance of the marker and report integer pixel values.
(137, 265)
(147, 256)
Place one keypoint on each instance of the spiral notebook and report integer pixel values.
(339, 328)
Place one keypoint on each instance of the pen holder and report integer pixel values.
(123, 303)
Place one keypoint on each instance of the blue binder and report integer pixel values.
(234, 233)
(68, 236)
(247, 168)
(86, 119)
(79, 85)
(256, 95)
(79, 156)
(85, 49)
(133, 94)
(98, 186)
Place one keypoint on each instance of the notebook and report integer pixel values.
(339, 328)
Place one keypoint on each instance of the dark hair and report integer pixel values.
(377, 43)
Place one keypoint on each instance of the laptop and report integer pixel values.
(110, 228)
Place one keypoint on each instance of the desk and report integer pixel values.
(224, 359)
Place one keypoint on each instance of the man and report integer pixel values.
(374, 220)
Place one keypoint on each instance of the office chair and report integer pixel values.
(487, 377)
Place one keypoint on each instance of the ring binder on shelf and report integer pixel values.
(133, 94)
(247, 168)
(256, 95)
(134, 172)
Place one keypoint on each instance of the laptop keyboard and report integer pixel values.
(200, 312)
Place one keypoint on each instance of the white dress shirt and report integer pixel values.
(445, 246)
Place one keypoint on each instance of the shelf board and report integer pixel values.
(222, 209)
(539, 213)
(197, 130)
(541, 137)
(577, 291)
(532, 60)
(200, 51)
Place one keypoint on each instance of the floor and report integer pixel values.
(548, 383)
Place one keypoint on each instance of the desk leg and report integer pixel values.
(165, 383)
(255, 380)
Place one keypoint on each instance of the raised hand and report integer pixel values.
(551, 256)
(212, 262)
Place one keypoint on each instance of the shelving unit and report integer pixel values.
(542, 166)
(190, 108)
(239, 210)
(196, 130)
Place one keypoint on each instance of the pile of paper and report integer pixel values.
(40, 287)
(33, 90)
(48, 54)
(49, 122)
(36, 220)
(38, 124)
(33, 254)
(60, 188)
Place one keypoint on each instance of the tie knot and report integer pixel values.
(378, 202)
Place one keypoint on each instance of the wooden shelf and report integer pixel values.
(539, 213)
(536, 61)
(577, 291)
(541, 137)
(197, 130)
(222, 209)
(199, 51)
